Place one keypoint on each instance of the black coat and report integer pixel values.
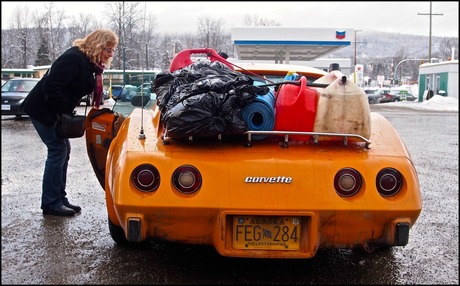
(70, 78)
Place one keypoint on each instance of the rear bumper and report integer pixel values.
(12, 109)
(319, 229)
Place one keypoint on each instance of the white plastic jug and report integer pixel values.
(343, 107)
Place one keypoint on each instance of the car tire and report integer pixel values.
(117, 233)
(396, 100)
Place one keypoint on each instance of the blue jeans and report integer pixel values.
(55, 175)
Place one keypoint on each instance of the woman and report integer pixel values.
(74, 74)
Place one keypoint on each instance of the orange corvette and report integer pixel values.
(254, 163)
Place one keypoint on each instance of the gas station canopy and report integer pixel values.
(283, 44)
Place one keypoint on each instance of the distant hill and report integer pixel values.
(375, 44)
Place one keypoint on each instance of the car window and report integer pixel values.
(19, 85)
(8, 86)
(370, 91)
(146, 85)
(28, 85)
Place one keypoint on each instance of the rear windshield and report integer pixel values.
(19, 86)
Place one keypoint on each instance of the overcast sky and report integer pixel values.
(179, 16)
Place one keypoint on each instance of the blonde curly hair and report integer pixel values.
(93, 44)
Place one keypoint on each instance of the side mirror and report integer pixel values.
(139, 101)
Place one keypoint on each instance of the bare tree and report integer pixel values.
(446, 46)
(150, 40)
(188, 40)
(133, 34)
(81, 26)
(127, 18)
(56, 33)
(22, 37)
(210, 33)
(115, 14)
(256, 20)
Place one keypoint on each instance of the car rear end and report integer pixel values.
(116, 91)
(265, 199)
(128, 92)
(372, 96)
(391, 96)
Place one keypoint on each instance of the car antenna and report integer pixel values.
(141, 132)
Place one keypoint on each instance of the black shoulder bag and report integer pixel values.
(71, 125)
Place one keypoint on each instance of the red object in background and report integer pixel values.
(182, 59)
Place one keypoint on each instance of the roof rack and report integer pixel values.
(315, 135)
(285, 144)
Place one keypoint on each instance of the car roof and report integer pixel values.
(24, 78)
(120, 85)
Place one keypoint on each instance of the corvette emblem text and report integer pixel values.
(271, 180)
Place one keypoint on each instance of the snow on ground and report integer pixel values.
(109, 101)
(437, 102)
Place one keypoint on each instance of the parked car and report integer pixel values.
(247, 196)
(87, 99)
(14, 91)
(407, 96)
(147, 89)
(123, 93)
(378, 94)
(397, 95)
(147, 85)
(372, 95)
(116, 91)
(144, 91)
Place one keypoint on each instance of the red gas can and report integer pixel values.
(295, 109)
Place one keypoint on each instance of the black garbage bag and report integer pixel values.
(204, 99)
(197, 115)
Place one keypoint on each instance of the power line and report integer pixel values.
(430, 14)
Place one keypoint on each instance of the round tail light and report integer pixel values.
(347, 182)
(146, 178)
(388, 182)
(186, 179)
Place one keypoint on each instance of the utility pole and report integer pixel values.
(431, 14)
(124, 45)
(354, 62)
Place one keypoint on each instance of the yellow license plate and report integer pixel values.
(266, 232)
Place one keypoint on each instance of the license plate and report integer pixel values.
(6, 107)
(269, 233)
